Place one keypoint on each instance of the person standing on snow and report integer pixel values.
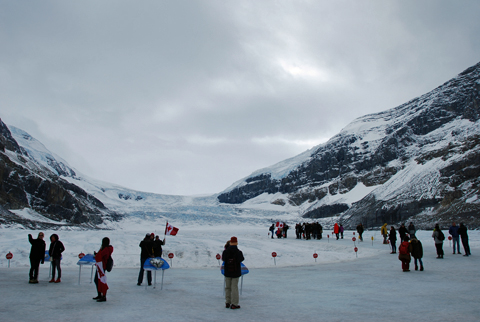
(402, 231)
(157, 247)
(55, 251)
(438, 236)
(285, 229)
(453, 231)
(37, 255)
(384, 233)
(360, 231)
(341, 231)
(405, 249)
(392, 236)
(233, 257)
(417, 252)
(101, 259)
(411, 229)
(336, 229)
(147, 252)
(272, 230)
(462, 231)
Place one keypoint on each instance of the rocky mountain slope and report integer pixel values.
(419, 161)
(31, 179)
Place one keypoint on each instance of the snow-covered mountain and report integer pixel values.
(419, 161)
(32, 183)
(40, 189)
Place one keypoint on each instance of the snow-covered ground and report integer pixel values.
(337, 287)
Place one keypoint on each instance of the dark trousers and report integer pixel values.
(95, 280)
(34, 266)
(140, 275)
(439, 249)
(466, 247)
(393, 243)
(56, 265)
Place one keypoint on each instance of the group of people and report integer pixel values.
(38, 254)
(281, 232)
(410, 246)
(455, 232)
(308, 230)
(151, 247)
(315, 230)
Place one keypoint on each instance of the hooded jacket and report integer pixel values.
(56, 248)
(384, 230)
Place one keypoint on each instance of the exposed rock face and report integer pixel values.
(421, 158)
(26, 184)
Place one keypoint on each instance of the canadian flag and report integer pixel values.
(279, 224)
(170, 230)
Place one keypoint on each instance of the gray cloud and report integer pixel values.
(188, 97)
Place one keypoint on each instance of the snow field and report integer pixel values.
(338, 287)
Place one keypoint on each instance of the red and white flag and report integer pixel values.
(170, 230)
(279, 224)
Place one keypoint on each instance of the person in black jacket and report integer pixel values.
(417, 252)
(462, 231)
(157, 247)
(402, 231)
(55, 251)
(392, 236)
(37, 255)
(233, 257)
(360, 231)
(147, 252)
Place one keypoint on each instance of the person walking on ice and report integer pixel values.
(233, 257)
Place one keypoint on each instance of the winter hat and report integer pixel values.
(233, 241)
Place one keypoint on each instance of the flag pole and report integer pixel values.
(165, 233)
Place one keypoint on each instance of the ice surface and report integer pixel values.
(338, 287)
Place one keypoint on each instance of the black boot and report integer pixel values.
(102, 299)
(421, 268)
(99, 296)
(416, 267)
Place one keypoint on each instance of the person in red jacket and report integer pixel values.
(101, 259)
(405, 250)
(336, 230)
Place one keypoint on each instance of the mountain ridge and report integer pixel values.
(373, 149)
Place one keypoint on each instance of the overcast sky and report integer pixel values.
(187, 97)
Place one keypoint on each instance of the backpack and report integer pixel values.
(109, 263)
(441, 236)
(403, 249)
(230, 265)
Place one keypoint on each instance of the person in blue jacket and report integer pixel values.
(453, 231)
